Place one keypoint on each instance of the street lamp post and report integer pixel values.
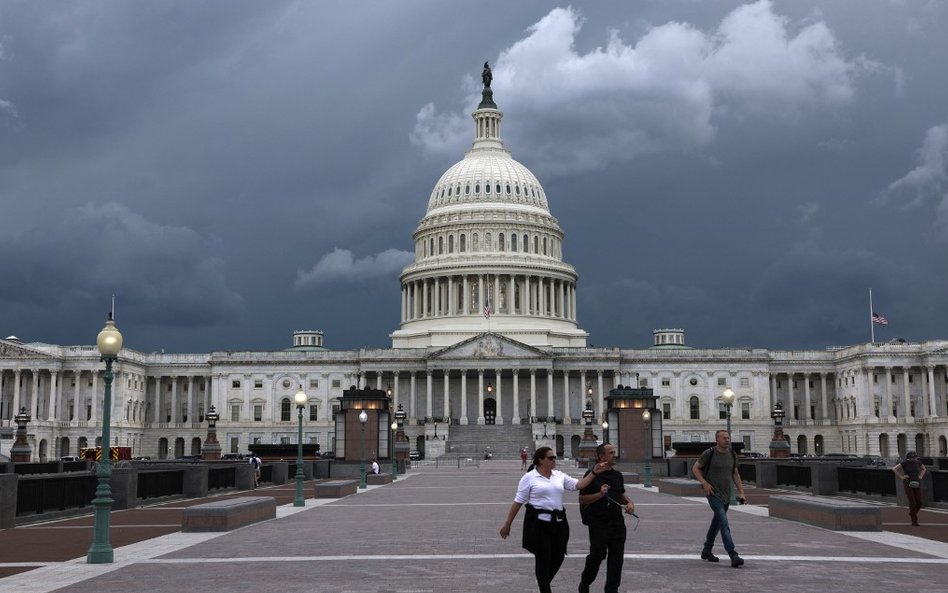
(646, 447)
(728, 398)
(394, 461)
(109, 343)
(300, 398)
(363, 418)
(605, 432)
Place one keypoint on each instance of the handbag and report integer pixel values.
(914, 484)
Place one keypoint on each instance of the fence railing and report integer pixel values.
(42, 494)
(794, 475)
(155, 484)
(222, 477)
(869, 480)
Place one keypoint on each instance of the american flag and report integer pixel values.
(487, 309)
(876, 318)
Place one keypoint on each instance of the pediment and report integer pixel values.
(14, 350)
(488, 345)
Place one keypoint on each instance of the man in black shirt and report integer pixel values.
(602, 503)
(911, 471)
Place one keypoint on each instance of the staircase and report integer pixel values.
(505, 440)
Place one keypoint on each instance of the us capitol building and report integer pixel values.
(488, 353)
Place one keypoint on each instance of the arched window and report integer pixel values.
(517, 189)
(544, 245)
(440, 245)
(285, 409)
(463, 243)
(477, 188)
(450, 243)
(694, 408)
(536, 244)
(431, 250)
(508, 189)
(457, 192)
(449, 192)
(467, 189)
(474, 243)
(526, 244)
(497, 188)
(487, 242)
(513, 242)
(500, 241)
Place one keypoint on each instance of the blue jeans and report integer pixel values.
(719, 523)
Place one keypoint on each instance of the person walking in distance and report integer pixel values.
(717, 472)
(911, 471)
(602, 503)
(523, 459)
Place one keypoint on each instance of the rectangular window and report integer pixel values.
(875, 378)
(811, 384)
(235, 413)
(722, 411)
(794, 384)
(314, 383)
(235, 384)
(234, 444)
(910, 378)
(313, 416)
(745, 382)
(168, 387)
(335, 383)
(666, 411)
(258, 383)
(745, 411)
(666, 382)
(284, 440)
(258, 413)
(722, 381)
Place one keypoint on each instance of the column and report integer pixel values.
(806, 397)
(79, 409)
(95, 396)
(479, 305)
(428, 384)
(480, 394)
(533, 395)
(412, 414)
(773, 389)
(516, 389)
(549, 392)
(34, 394)
(932, 396)
(246, 414)
(424, 298)
(51, 412)
(436, 298)
(600, 401)
(499, 419)
(463, 416)
(888, 393)
(446, 403)
(825, 399)
(566, 410)
(192, 413)
(906, 395)
(16, 392)
(466, 300)
(790, 403)
(174, 399)
(394, 391)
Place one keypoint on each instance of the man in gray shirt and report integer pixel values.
(716, 469)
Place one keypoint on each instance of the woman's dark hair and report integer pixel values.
(538, 455)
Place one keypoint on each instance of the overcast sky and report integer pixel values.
(234, 171)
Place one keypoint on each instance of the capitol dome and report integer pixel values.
(488, 254)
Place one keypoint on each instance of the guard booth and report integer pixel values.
(637, 436)
(363, 425)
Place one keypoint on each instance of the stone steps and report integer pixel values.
(505, 440)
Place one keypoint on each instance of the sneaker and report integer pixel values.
(707, 555)
(737, 561)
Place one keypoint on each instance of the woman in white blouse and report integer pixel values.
(545, 528)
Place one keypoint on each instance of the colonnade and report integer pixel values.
(508, 294)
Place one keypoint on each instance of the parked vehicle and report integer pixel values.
(415, 455)
(70, 458)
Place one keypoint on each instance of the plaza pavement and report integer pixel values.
(435, 530)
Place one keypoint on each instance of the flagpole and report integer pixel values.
(872, 327)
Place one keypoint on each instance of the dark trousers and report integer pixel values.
(606, 539)
(548, 554)
(914, 500)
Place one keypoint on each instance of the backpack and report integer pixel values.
(255, 461)
(704, 468)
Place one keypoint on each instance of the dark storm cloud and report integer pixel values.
(745, 171)
(163, 275)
